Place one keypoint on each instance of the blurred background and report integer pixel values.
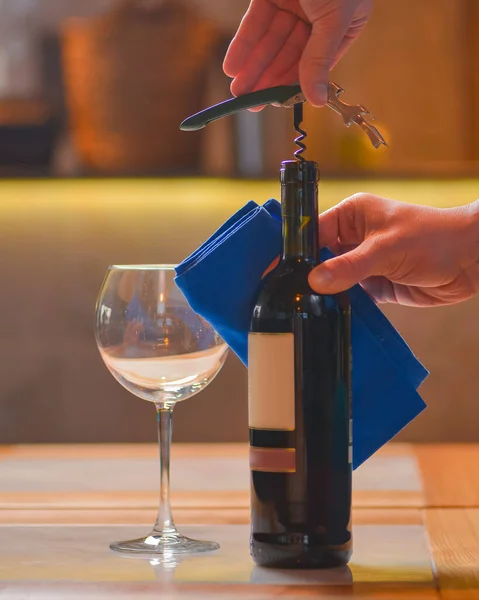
(94, 171)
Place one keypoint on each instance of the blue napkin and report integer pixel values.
(221, 281)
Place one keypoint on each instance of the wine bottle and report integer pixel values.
(299, 396)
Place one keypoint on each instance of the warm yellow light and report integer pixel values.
(120, 200)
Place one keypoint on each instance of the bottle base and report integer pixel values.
(299, 556)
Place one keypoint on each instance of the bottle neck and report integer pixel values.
(299, 203)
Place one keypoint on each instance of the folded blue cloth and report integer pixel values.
(221, 281)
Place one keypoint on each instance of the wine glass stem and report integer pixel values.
(164, 523)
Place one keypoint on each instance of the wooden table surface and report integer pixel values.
(415, 514)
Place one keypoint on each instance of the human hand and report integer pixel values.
(402, 253)
(281, 42)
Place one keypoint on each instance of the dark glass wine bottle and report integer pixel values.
(299, 379)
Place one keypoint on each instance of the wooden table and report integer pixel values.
(416, 525)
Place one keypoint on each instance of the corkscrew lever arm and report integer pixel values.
(284, 95)
(353, 113)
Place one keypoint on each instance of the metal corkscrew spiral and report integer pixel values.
(298, 119)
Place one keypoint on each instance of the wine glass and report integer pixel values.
(159, 349)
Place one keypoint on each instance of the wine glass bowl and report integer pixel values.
(150, 339)
(160, 350)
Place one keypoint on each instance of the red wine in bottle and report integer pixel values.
(299, 380)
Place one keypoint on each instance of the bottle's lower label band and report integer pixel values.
(272, 460)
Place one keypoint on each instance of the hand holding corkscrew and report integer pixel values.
(398, 252)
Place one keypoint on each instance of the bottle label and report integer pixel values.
(272, 460)
(271, 381)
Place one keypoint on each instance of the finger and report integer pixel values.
(341, 273)
(380, 289)
(338, 248)
(384, 290)
(288, 78)
(283, 69)
(253, 27)
(341, 224)
(335, 248)
(318, 56)
(264, 52)
(328, 225)
(258, 108)
(450, 293)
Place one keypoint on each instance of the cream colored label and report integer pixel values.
(271, 381)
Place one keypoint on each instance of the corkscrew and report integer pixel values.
(299, 141)
(288, 96)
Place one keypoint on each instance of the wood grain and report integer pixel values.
(387, 516)
(388, 499)
(451, 495)
(201, 499)
(145, 517)
(450, 474)
(190, 494)
(454, 541)
(212, 499)
(153, 591)
(234, 516)
(135, 450)
(401, 569)
(119, 451)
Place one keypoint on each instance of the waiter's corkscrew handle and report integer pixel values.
(286, 96)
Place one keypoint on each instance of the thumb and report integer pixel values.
(342, 272)
(318, 58)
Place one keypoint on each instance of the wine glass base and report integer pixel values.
(163, 544)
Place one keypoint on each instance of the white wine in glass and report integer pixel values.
(160, 350)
